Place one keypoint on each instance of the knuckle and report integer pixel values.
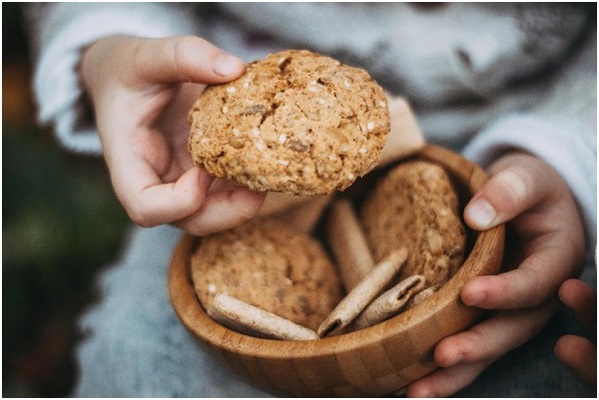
(250, 209)
(137, 215)
(178, 54)
(247, 213)
(182, 51)
(472, 342)
(527, 290)
(513, 185)
(539, 282)
(138, 51)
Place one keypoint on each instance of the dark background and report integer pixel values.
(61, 224)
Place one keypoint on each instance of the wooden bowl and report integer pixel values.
(370, 362)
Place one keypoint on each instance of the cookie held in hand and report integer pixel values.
(295, 122)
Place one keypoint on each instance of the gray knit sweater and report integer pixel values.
(507, 75)
(481, 77)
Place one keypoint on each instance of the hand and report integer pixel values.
(142, 90)
(577, 352)
(543, 215)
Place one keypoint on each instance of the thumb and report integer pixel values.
(185, 59)
(517, 185)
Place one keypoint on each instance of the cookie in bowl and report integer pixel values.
(416, 205)
(267, 264)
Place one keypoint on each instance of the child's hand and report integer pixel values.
(142, 90)
(543, 216)
(577, 352)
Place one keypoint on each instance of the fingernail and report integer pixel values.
(481, 213)
(226, 64)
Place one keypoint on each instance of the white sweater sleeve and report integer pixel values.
(62, 31)
(562, 130)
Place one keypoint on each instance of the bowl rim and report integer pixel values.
(197, 321)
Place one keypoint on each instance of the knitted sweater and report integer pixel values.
(481, 78)
(509, 75)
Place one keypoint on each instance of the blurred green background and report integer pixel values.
(61, 224)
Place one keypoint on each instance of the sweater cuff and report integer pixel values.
(56, 83)
(569, 147)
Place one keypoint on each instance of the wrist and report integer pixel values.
(87, 69)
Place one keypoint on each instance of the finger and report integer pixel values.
(551, 254)
(505, 195)
(184, 59)
(446, 381)
(535, 279)
(582, 300)
(493, 337)
(580, 355)
(149, 202)
(223, 210)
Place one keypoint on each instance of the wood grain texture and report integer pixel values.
(370, 362)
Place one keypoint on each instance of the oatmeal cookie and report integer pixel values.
(267, 264)
(295, 122)
(415, 205)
